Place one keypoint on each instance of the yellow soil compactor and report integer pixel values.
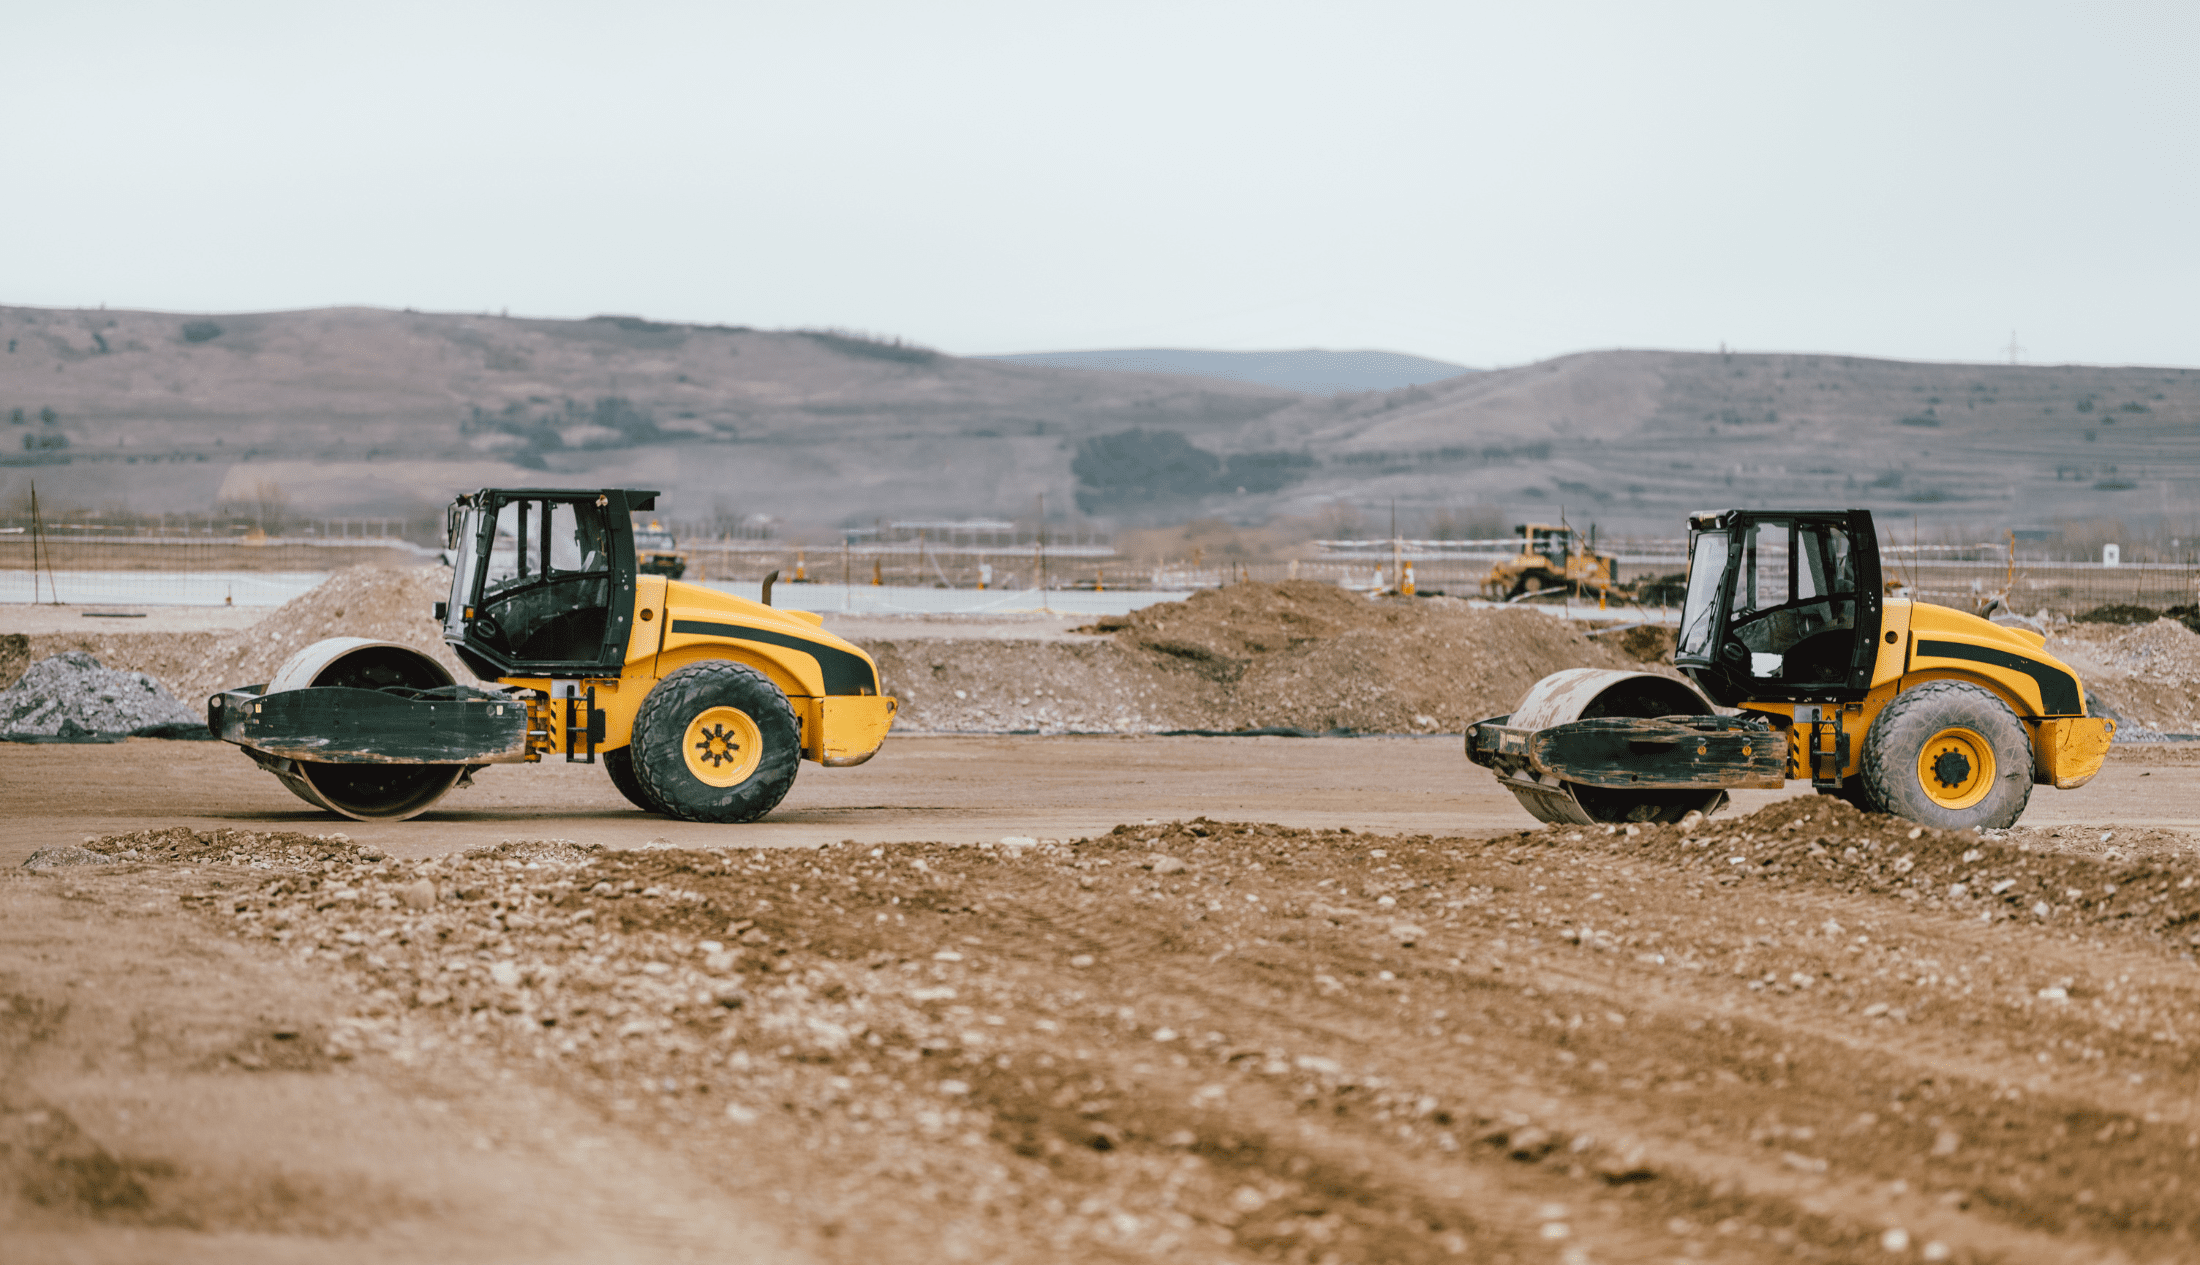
(699, 704)
(1896, 706)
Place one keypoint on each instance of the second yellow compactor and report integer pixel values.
(1897, 706)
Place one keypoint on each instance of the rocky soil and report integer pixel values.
(1802, 1034)
(70, 697)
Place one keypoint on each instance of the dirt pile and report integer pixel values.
(382, 603)
(1805, 1033)
(2147, 675)
(1296, 655)
(1820, 841)
(71, 698)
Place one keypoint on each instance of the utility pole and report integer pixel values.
(1043, 552)
(2013, 349)
(37, 544)
(1397, 563)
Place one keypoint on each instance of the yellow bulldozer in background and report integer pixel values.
(1897, 706)
(1551, 558)
(700, 704)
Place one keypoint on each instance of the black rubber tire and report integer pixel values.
(620, 765)
(660, 732)
(1911, 719)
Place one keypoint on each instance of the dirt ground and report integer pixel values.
(1088, 997)
(1399, 1026)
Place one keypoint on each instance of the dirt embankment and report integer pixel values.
(1300, 655)
(2146, 674)
(1803, 1034)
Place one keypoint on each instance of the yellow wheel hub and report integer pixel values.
(1956, 768)
(723, 746)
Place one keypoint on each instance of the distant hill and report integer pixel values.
(1312, 371)
(352, 411)
(367, 411)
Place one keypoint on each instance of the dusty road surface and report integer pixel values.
(936, 789)
(1787, 1033)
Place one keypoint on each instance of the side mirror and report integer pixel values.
(442, 612)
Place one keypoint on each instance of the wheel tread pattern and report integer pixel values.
(660, 731)
(1910, 719)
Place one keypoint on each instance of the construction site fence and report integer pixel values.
(247, 570)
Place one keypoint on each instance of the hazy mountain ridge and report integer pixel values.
(364, 411)
(1309, 370)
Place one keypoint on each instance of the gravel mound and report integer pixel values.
(1299, 656)
(55, 858)
(384, 603)
(2146, 675)
(71, 698)
(165, 656)
(1819, 841)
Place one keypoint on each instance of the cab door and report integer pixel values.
(1806, 607)
(552, 587)
(1794, 612)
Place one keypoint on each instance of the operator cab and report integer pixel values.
(543, 580)
(1781, 606)
(1553, 544)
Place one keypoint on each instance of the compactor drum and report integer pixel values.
(699, 704)
(1896, 706)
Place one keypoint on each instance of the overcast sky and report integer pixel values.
(1488, 184)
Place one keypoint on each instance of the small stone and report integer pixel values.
(1081, 961)
(1895, 1240)
(740, 1114)
(720, 962)
(1529, 1143)
(754, 936)
(954, 1089)
(1407, 934)
(2054, 994)
(1629, 1164)
(1947, 1142)
(419, 895)
(505, 974)
(1019, 841)
(1166, 865)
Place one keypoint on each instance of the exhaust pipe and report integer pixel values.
(770, 580)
